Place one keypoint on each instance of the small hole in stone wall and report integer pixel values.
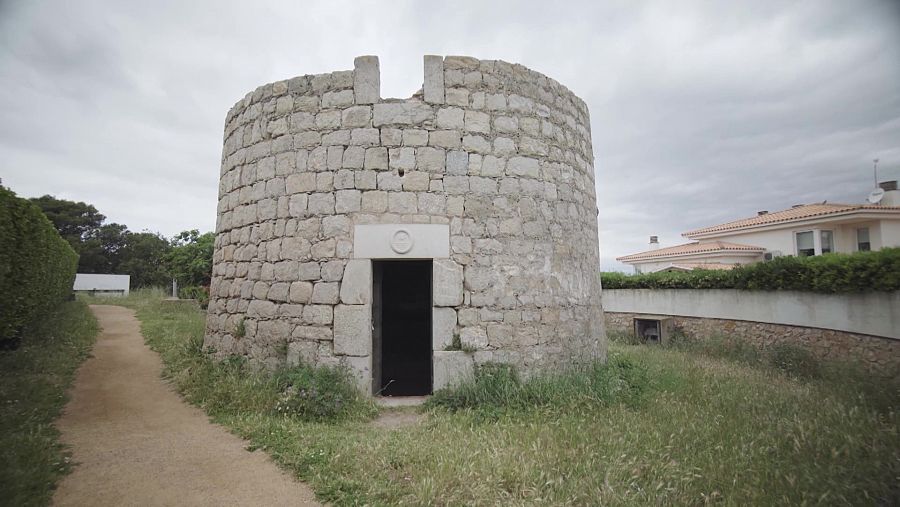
(400, 172)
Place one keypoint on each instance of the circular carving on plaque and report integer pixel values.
(401, 241)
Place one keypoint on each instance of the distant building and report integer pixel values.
(102, 285)
(803, 230)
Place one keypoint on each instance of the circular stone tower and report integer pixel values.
(409, 240)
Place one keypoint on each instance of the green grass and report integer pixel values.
(33, 383)
(661, 426)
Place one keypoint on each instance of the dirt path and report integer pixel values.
(137, 443)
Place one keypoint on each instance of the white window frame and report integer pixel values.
(833, 241)
(817, 241)
(856, 238)
(817, 247)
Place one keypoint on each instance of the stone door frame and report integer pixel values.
(353, 324)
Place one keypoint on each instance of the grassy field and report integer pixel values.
(657, 426)
(33, 382)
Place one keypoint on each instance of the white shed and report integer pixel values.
(102, 285)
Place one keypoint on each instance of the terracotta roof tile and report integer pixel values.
(797, 213)
(692, 248)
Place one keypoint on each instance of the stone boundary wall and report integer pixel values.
(498, 154)
(873, 313)
(877, 354)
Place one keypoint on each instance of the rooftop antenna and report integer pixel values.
(875, 170)
(877, 194)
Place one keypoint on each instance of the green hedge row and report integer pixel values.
(37, 266)
(830, 273)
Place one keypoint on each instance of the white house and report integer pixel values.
(803, 230)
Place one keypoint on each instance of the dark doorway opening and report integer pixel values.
(401, 317)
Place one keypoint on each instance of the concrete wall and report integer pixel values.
(496, 153)
(890, 233)
(114, 284)
(875, 313)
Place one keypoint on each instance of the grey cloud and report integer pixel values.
(701, 112)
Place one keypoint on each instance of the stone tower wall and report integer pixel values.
(489, 167)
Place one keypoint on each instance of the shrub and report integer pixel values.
(830, 273)
(320, 393)
(201, 294)
(794, 360)
(37, 266)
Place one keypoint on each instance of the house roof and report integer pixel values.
(691, 249)
(802, 212)
(688, 266)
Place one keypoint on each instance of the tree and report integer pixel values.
(101, 251)
(75, 221)
(149, 258)
(144, 258)
(190, 260)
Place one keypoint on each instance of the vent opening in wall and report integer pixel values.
(401, 322)
(653, 329)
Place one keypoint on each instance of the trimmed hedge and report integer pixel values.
(37, 266)
(830, 273)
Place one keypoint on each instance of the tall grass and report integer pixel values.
(175, 330)
(33, 383)
(657, 426)
(498, 387)
(848, 377)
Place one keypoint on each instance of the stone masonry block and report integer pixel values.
(366, 79)
(356, 285)
(317, 314)
(452, 367)
(451, 118)
(447, 277)
(353, 330)
(305, 352)
(325, 293)
(361, 370)
(430, 159)
(402, 113)
(443, 325)
(434, 79)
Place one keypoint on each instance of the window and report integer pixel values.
(862, 239)
(827, 239)
(805, 244)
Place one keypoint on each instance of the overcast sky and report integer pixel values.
(701, 112)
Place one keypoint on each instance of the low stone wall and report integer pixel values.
(872, 313)
(877, 354)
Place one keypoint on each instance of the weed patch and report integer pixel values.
(654, 426)
(794, 360)
(498, 386)
(309, 393)
(316, 393)
(33, 382)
